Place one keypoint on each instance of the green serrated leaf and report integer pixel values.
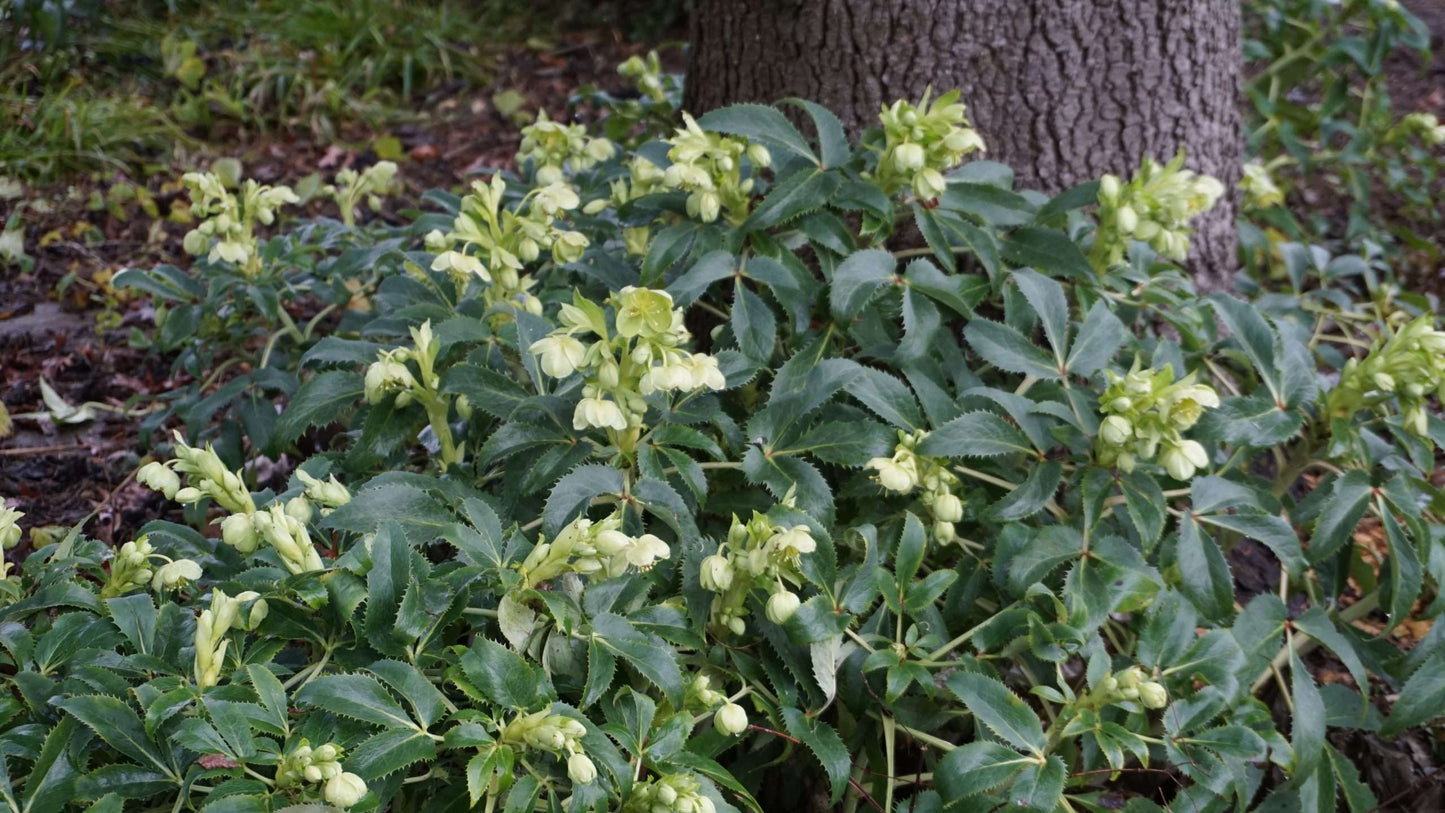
(994, 705)
(975, 434)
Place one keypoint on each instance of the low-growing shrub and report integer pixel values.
(752, 469)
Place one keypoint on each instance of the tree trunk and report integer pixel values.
(1062, 90)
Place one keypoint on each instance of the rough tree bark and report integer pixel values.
(1062, 90)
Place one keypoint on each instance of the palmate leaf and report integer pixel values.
(998, 708)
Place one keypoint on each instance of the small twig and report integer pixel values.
(25, 451)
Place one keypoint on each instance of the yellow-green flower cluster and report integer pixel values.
(1409, 366)
(283, 527)
(729, 718)
(556, 734)
(1154, 207)
(321, 766)
(229, 221)
(494, 244)
(352, 187)
(644, 355)
(1426, 126)
(757, 554)
(647, 73)
(923, 141)
(709, 168)
(1128, 686)
(673, 793)
(330, 494)
(553, 146)
(643, 178)
(906, 470)
(588, 547)
(207, 477)
(390, 374)
(1260, 190)
(9, 526)
(1145, 414)
(245, 611)
(131, 570)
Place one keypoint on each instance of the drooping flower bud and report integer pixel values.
(730, 720)
(782, 605)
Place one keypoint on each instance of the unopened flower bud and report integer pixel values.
(1116, 430)
(782, 605)
(730, 720)
(580, 769)
(716, 574)
(1153, 695)
(345, 790)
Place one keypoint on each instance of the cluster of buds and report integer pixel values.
(283, 526)
(330, 494)
(207, 477)
(229, 221)
(757, 554)
(643, 178)
(131, 569)
(906, 470)
(9, 526)
(505, 240)
(647, 74)
(923, 141)
(586, 547)
(287, 534)
(1425, 126)
(1128, 686)
(1260, 190)
(1409, 366)
(321, 766)
(728, 717)
(352, 187)
(9, 535)
(1147, 411)
(644, 356)
(553, 146)
(556, 734)
(1155, 207)
(673, 793)
(389, 374)
(709, 168)
(244, 611)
